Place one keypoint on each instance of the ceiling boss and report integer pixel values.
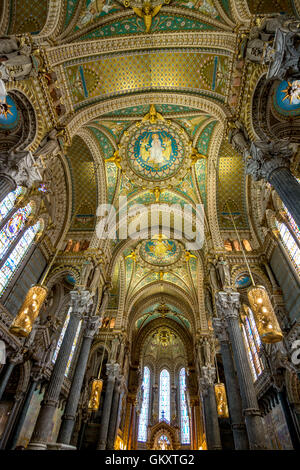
(155, 150)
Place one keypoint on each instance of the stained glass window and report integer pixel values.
(253, 343)
(289, 241)
(163, 442)
(8, 202)
(143, 422)
(60, 340)
(11, 264)
(164, 396)
(184, 417)
(13, 227)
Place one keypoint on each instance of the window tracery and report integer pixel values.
(164, 396)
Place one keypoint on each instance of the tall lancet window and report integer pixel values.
(290, 236)
(144, 415)
(7, 204)
(164, 396)
(253, 343)
(13, 227)
(184, 417)
(15, 252)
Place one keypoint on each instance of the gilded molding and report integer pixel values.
(55, 16)
(67, 52)
(220, 112)
(4, 20)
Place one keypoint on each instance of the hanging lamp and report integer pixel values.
(30, 309)
(97, 384)
(261, 306)
(220, 394)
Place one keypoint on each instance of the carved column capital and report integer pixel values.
(208, 377)
(228, 304)
(20, 168)
(80, 302)
(112, 371)
(266, 157)
(219, 326)
(92, 326)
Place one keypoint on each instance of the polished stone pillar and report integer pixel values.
(7, 184)
(212, 430)
(271, 161)
(173, 404)
(68, 420)
(16, 359)
(228, 303)
(232, 388)
(43, 427)
(22, 416)
(112, 371)
(155, 404)
(11, 419)
(111, 435)
(5, 378)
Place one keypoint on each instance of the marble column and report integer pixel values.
(11, 419)
(43, 427)
(112, 371)
(111, 434)
(228, 303)
(271, 162)
(155, 404)
(68, 420)
(7, 184)
(22, 416)
(232, 387)
(6, 376)
(212, 430)
(16, 359)
(130, 424)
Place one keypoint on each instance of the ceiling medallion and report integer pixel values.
(164, 337)
(155, 151)
(160, 252)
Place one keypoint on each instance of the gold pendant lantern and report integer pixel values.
(221, 400)
(97, 383)
(265, 318)
(23, 323)
(94, 401)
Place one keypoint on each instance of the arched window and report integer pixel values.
(253, 342)
(290, 236)
(8, 202)
(60, 340)
(13, 227)
(164, 396)
(163, 442)
(143, 422)
(184, 417)
(17, 254)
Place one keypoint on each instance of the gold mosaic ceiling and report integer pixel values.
(102, 77)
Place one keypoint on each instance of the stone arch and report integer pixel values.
(184, 335)
(163, 428)
(22, 135)
(206, 105)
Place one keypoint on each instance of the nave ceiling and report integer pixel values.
(113, 66)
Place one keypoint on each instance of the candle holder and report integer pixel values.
(265, 318)
(23, 323)
(94, 400)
